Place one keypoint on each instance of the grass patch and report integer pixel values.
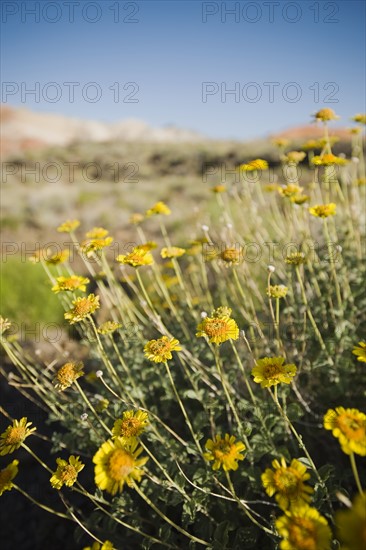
(25, 296)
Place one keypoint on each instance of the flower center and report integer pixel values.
(66, 374)
(222, 449)
(231, 255)
(130, 427)
(216, 327)
(83, 307)
(286, 481)
(16, 435)
(121, 464)
(272, 370)
(302, 534)
(160, 347)
(70, 283)
(68, 473)
(351, 427)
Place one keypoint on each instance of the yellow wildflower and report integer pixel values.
(303, 528)
(224, 452)
(287, 483)
(97, 233)
(108, 327)
(83, 307)
(349, 426)
(290, 190)
(360, 118)
(68, 226)
(218, 329)
(67, 472)
(232, 256)
(107, 545)
(270, 371)
(295, 258)
(356, 130)
(72, 283)
(257, 164)
(159, 208)
(7, 475)
(14, 435)
(5, 324)
(351, 524)
(294, 157)
(277, 291)
(57, 258)
(136, 258)
(219, 189)
(323, 210)
(102, 403)
(299, 199)
(159, 351)
(328, 160)
(93, 245)
(136, 218)
(67, 374)
(325, 115)
(146, 247)
(312, 144)
(172, 252)
(131, 425)
(222, 311)
(360, 351)
(281, 143)
(117, 463)
(271, 187)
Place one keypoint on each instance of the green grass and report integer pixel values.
(25, 296)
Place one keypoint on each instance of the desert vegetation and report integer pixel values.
(214, 392)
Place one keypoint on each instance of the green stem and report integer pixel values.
(165, 518)
(232, 490)
(37, 458)
(308, 310)
(229, 400)
(182, 407)
(332, 266)
(146, 296)
(355, 472)
(59, 514)
(92, 408)
(300, 442)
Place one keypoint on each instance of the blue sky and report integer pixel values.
(178, 60)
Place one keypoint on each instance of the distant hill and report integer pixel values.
(22, 129)
(311, 131)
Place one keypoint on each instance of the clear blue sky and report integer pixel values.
(169, 49)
